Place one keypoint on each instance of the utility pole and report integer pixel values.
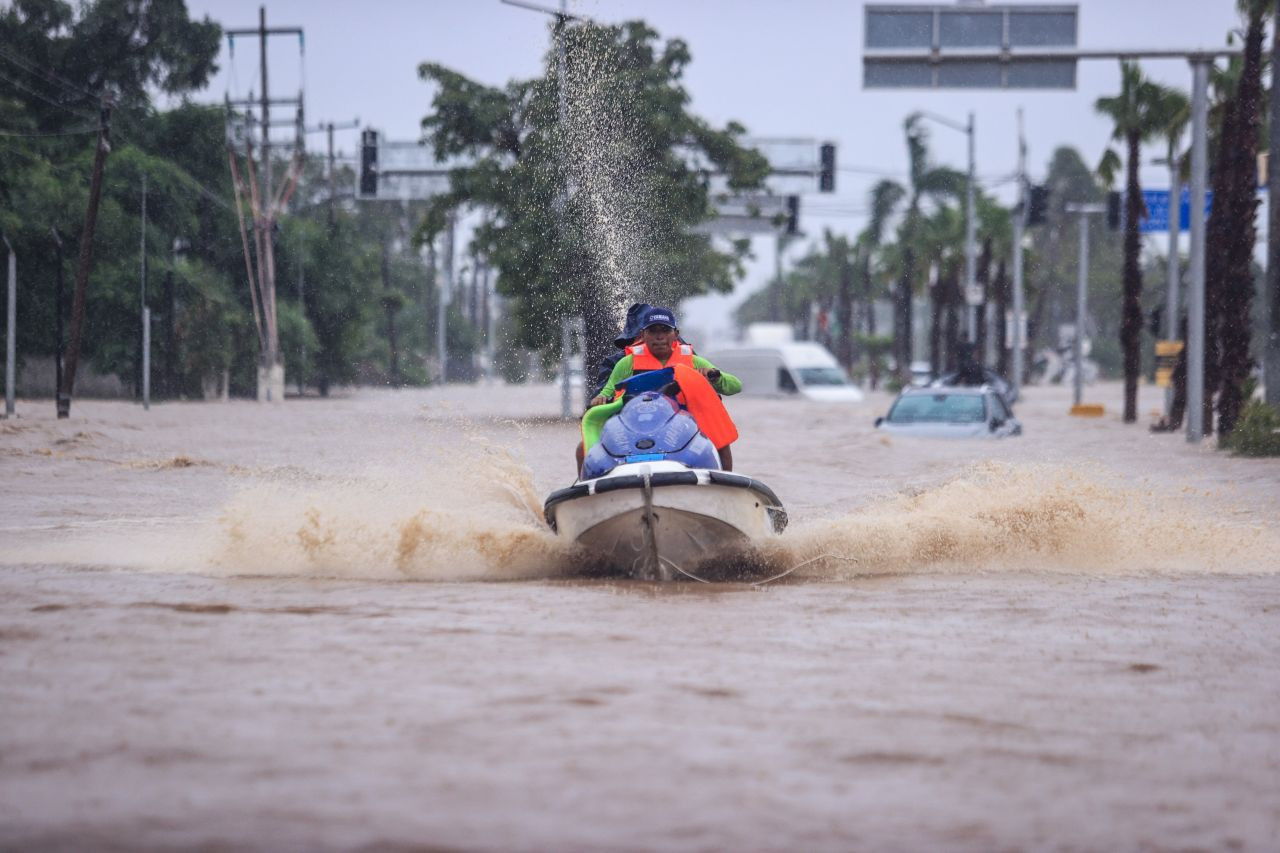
(1195, 293)
(85, 261)
(331, 174)
(1171, 303)
(1271, 359)
(444, 295)
(170, 390)
(1082, 295)
(562, 21)
(144, 313)
(302, 306)
(171, 382)
(266, 203)
(775, 290)
(1019, 223)
(488, 323)
(58, 310)
(332, 187)
(11, 330)
(266, 223)
(970, 244)
(562, 76)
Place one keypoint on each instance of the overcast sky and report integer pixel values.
(783, 68)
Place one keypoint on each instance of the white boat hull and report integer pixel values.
(661, 520)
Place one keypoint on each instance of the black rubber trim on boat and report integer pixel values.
(674, 478)
(776, 511)
(568, 493)
(669, 478)
(613, 484)
(728, 478)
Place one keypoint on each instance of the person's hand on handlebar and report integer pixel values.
(712, 373)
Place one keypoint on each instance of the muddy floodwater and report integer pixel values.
(342, 624)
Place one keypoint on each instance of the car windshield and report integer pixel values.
(821, 376)
(938, 408)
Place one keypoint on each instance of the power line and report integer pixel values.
(25, 135)
(59, 167)
(46, 98)
(48, 74)
(51, 76)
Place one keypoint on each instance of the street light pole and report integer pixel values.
(1019, 222)
(11, 330)
(562, 18)
(1195, 293)
(973, 298)
(970, 243)
(1271, 358)
(1171, 293)
(144, 313)
(1175, 226)
(1082, 294)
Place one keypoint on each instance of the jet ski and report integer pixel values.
(652, 502)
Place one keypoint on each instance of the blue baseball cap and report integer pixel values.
(631, 328)
(658, 316)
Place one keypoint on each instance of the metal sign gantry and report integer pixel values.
(962, 37)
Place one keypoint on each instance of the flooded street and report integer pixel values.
(341, 623)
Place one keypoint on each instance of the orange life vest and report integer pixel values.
(696, 392)
(642, 359)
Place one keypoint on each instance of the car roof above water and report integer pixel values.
(936, 392)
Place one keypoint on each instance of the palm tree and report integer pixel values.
(995, 230)
(1136, 114)
(1230, 234)
(926, 180)
(885, 197)
(941, 246)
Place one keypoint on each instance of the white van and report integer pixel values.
(803, 367)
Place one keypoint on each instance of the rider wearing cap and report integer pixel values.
(629, 335)
(660, 347)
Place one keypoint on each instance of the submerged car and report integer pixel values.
(978, 412)
(989, 376)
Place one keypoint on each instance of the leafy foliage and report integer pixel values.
(1256, 433)
(634, 161)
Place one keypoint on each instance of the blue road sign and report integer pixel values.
(1157, 202)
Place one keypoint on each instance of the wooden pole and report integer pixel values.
(85, 262)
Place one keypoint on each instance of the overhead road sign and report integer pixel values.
(752, 214)
(796, 164)
(987, 47)
(1157, 204)
(402, 170)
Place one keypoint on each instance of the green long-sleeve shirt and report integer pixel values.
(727, 384)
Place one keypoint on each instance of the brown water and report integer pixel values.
(332, 624)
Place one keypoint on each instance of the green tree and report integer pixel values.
(1052, 269)
(57, 60)
(635, 162)
(1137, 115)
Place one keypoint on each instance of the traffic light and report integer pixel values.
(1113, 209)
(827, 171)
(369, 164)
(793, 214)
(1037, 205)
